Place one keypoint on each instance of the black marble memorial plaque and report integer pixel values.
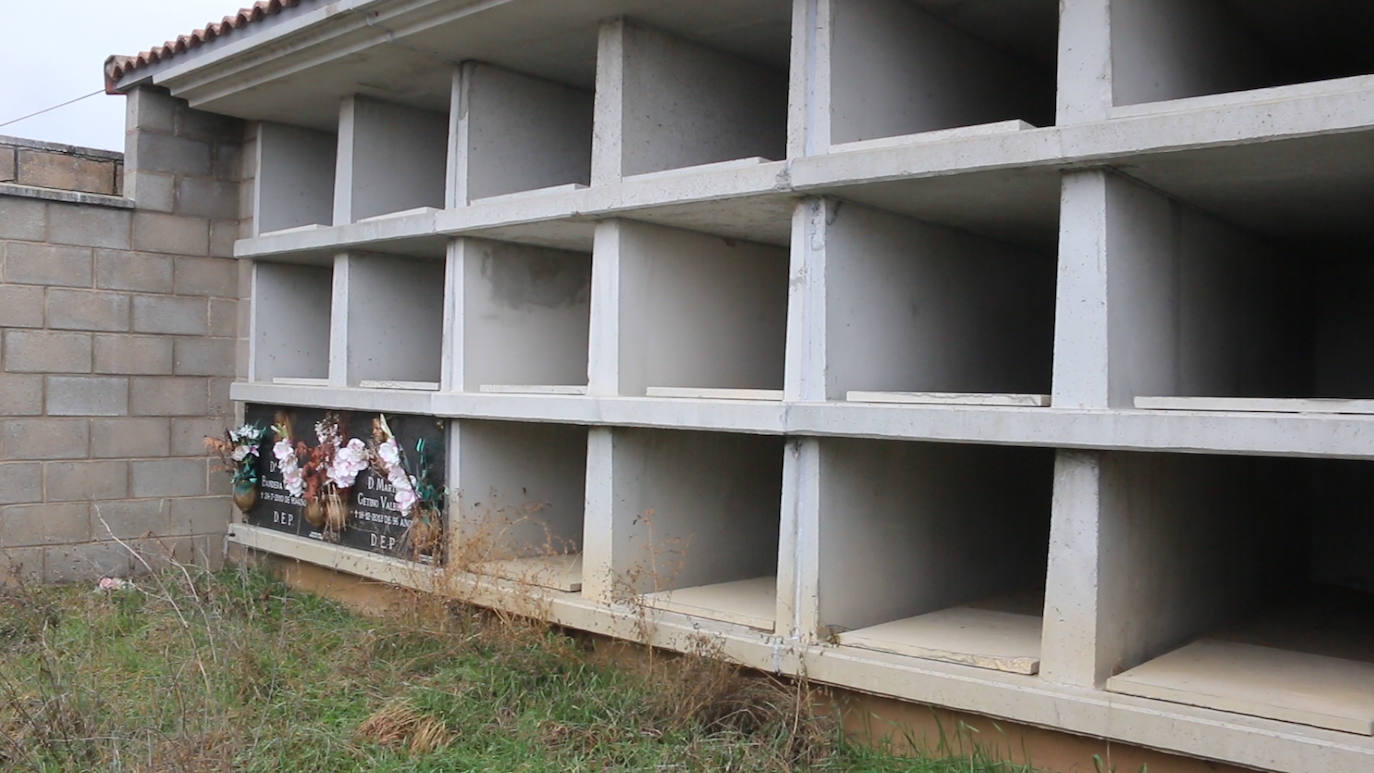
(375, 523)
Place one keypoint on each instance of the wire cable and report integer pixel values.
(50, 109)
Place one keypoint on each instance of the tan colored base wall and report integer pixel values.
(903, 727)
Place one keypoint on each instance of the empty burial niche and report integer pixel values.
(291, 323)
(1172, 49)
(696, 522)
(918, 313)
(903, 67)
(1259, 597)
(664, 103)
(525, 316)
(294, 186)
(922, 554)
(1225, 319)
(697, 315)
(520, 133)
(392, 159)
(521, 500)
(393, 314)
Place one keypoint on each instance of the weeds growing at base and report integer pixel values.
(193, 671)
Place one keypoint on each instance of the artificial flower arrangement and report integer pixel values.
(239, 451)
(417, 497)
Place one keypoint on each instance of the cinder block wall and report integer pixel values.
(119, 343)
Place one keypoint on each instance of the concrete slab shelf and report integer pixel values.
(521, 315)
(289, 335)
(520, 510)
(1309, 660)
(887, 68)
(951, 565)
(686, 518)
(752, 602)
(389, 330)
(1232, 46)
(683, 309)
(914, 308)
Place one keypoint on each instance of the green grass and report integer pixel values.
(234, 671)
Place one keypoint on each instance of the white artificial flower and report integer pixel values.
(294, 480)
(239, 453)
(282, 451)
(389, 453)
(405, 499)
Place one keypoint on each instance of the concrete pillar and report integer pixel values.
(808, 102)
(1085, 61)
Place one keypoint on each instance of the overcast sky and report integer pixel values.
(55, 50)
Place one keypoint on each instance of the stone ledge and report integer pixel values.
(66, 150)
(68, 197)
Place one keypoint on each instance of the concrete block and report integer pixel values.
(223, 233)
(7, 165)
(219, 402)
(224, 317)
(152, 396)
(21, 395)
(44, 264)
(89, 226)
(217, 481)
(154, 192)
(188, 435)
(129, 519)
(23, 219)
(88, 396)
(206, 276)
(22, 566)
(205, 356)
(133, 354)
(21, 482)
(44, 524)
(45, 351)
(21, 306)
(185, 316)
(168, 478)
(87, 310)
(120, 270)
(207, 127)
(164, 153)
(149, 108)
(121, 438)
(227, 163)
(83, 563)
(207, 197)
(156, 232)
(75, 481)
(208, 515)
(45, 439)
(48, 169)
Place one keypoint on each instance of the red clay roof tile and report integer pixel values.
(117, 67)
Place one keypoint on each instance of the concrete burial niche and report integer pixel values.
(900, 67)
(392, 158)
(518, 133)
(921, 313)
(389, 313)
(935, 551)
(1208, 316)
(524, 313)
(694, 522)
(1260, 593)
(291, 323)
(663, 102)
(686, 311)
(294, 186)
(520, 501)
(1171, 49)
